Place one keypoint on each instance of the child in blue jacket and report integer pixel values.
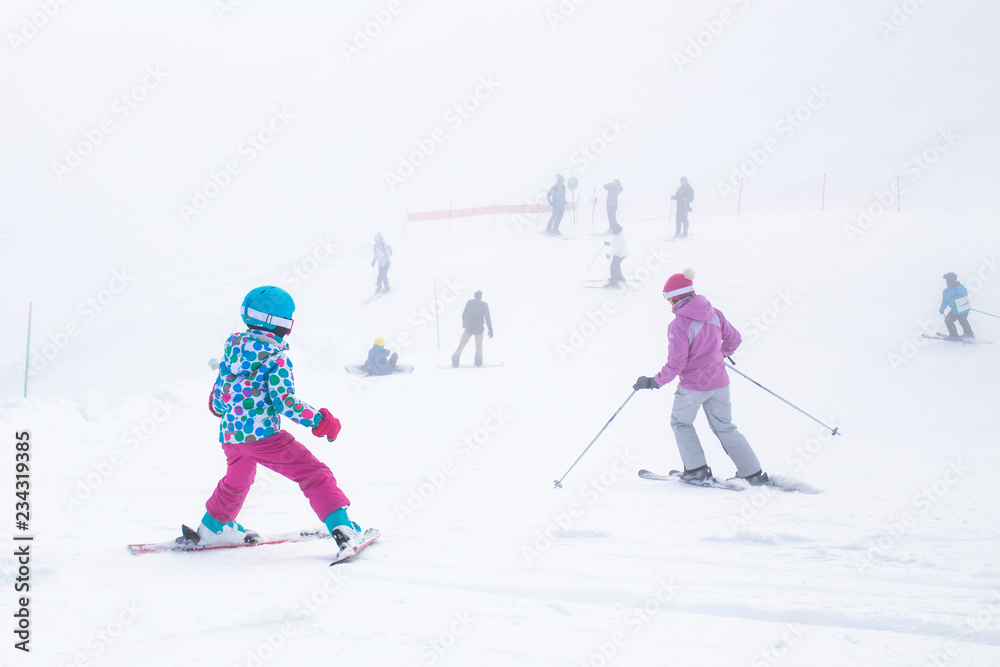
(956, 297)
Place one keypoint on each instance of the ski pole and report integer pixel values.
(596, 256)
(985, 313)
(833, 431)
(559, 481)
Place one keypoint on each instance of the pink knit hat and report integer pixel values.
(679, 284)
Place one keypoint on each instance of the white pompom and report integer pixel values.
(689, 273)
(213, 364)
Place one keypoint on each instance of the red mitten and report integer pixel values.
(211, 402)
(328, 426)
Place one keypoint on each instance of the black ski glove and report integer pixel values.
(645, 383)
(491, 333)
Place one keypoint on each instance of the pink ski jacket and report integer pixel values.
(698, 340)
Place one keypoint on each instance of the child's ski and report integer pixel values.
(185, 543)
(370, 536)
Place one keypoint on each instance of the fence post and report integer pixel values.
(739, 200)
(822, 203)
(898, 196)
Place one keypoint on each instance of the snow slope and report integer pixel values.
(481, 560)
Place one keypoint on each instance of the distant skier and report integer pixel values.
(253, 390)
(556, 197)
(684, 196)
(474, 317)
(382, 255)
(619, 251)
(700, 338)
(956, 297)
(380, 361)
(614, 189)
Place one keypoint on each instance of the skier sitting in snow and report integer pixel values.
(700, 338)
(475, 315)
(380, 361)
(956, 297)
(253, 390)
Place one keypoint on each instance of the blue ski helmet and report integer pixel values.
(268, 308)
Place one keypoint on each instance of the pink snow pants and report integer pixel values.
(285, 456)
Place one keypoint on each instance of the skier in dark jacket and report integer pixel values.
(684, 196)
(556, 197)
(614, 189)
(474, 317)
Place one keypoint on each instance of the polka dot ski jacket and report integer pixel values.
(255, 387)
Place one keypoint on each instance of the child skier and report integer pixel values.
(380, 361)
(700, 338)
(619, 251)
(253, 390)
(956, 297)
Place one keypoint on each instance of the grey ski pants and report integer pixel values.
(719, 411)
